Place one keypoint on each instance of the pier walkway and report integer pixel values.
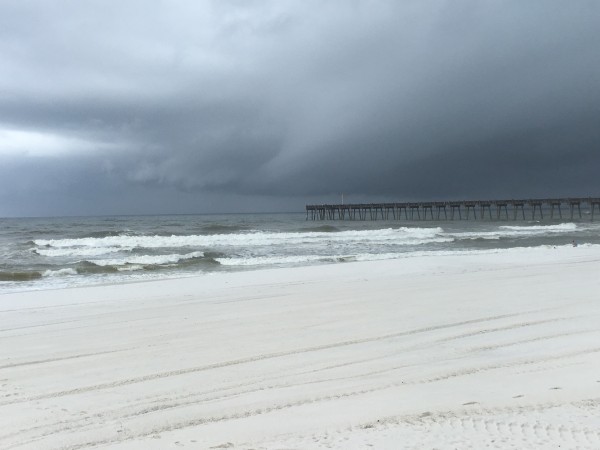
(461, 210)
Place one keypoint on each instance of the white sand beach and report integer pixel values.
(498, 350)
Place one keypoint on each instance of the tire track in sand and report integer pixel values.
(502, 427)
(176, 425)
(251, 359)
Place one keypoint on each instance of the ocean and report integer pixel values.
(50, 253)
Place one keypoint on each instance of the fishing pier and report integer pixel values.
(457, 210)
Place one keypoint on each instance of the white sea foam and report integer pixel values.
(308, 259)
(145, 260)
(516, 231)
(59, 272)
(78, 251)
(74, 247)
(375, 241)
(272, 260)
(491, 235)
(560, 228)
(130, 268)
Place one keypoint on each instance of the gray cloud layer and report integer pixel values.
(150, 107)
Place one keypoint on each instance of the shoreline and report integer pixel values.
(341, 355)
(255, 268)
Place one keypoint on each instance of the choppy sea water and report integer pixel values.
(46, 253)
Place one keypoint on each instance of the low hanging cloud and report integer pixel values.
(241, 102)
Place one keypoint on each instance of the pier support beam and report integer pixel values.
(470, 207)
(516, 206)
(553, 204)
(454, 207)
(593, 204)
(536, 206)
(439, 210)
(499, 208)
(387, 211)
(400, 208)
(573, 204)
(482, 208)
(371, 213)
(413, 207)
(427, 207)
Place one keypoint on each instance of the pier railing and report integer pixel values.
(451, 210)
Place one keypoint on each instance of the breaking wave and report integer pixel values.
(560, 228)
(59, 272)
(146, 260)
(509, 231)
(83, 246)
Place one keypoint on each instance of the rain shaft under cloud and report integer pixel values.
(153, 107)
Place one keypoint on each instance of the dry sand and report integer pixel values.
(498, 350)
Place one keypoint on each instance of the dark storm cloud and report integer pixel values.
(249, 101)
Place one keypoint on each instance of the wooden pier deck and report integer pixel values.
(462, 210)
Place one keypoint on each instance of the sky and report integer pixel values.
(178, 107)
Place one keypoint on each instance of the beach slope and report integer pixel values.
(472, 351)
